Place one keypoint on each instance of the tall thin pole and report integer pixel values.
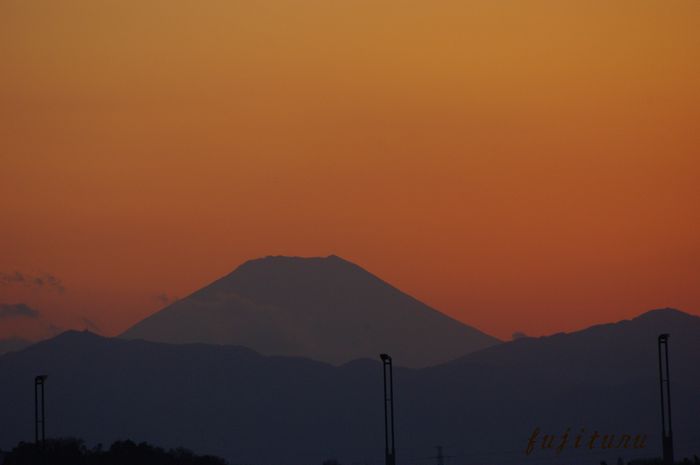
(39, 413)
(389, 449)
(665, 385)
(391, 406)
(43, 416)
(386, 418)
(36, 410)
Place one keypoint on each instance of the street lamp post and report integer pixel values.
(390, 450)
(664, 380)
(39, 413)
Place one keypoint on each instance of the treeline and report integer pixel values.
(72, 451)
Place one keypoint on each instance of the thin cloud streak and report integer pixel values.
(17, 311)
(40, 281)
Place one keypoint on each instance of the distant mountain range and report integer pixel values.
(326, 309)
(12, 344)
(255, 409)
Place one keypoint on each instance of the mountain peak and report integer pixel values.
(325, 308)
(295, 261)
(73, 335)
(266, 280)
(663, 314)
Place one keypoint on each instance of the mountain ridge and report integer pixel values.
(233, 402)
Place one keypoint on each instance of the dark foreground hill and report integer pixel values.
(326, 309)
(232, 402)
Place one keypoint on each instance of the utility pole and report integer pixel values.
(390, 449)
(440, 457)
(665, 384)
(39, 412)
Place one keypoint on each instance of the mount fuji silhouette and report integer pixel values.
(326, 309)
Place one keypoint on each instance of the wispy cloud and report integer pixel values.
(35, 281)
(17, 311)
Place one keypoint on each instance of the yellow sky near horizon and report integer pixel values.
(519, 165)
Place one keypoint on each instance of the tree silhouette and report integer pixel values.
(72, 451)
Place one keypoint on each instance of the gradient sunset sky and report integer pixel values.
(519, 165)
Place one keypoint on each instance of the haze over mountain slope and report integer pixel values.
(253, 409)
(13, 343)
(327, 309)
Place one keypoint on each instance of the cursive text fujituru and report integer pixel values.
(594, 440)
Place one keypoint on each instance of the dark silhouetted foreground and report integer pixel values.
(659, 461)
(252, 409)
(71, 451)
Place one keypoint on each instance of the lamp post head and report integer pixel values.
(663, 337)
(385, 357)
(40, 378)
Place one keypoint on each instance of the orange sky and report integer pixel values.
(519, 165)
